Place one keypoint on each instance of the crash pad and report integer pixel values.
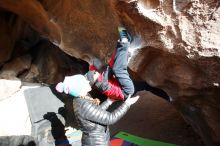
(126, 139)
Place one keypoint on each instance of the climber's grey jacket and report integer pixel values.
(94, 120)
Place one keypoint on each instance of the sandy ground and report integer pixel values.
(154, 118)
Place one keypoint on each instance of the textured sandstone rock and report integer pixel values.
(13, 68)
(176, 46)
(9, 87)
(9, 31)
(184, 61)
(33, 13)
(89, 28)
(50, 65)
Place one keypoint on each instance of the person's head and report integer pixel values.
(76, 85)
(92, 76)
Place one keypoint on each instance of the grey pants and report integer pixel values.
(119, 63)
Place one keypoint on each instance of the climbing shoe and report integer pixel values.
(123, 34)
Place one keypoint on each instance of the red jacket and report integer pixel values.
(110, 88)
(114, 91)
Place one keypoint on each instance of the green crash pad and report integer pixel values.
(141, 141)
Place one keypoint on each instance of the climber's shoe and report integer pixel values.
(124, 35)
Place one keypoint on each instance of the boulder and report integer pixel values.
(9, 87)
(175, 47)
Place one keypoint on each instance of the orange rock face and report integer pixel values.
(175, 48)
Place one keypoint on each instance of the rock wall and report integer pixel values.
(180, 54)
(175, 48)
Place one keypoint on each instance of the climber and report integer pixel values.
(114, 82)
(92, 117)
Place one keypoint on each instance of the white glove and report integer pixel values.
(132, 100)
